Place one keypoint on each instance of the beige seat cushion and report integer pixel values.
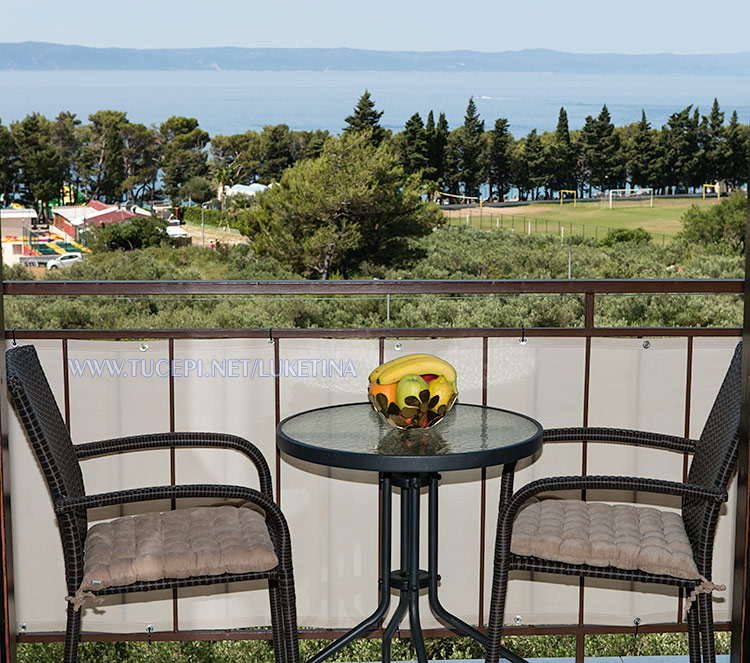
(623, 536)
(177, 544)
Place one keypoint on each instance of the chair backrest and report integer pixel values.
(713, 462)
(32, 398)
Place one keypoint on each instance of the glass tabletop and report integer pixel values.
(354, 436)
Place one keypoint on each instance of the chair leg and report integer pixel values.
(72, 634)
(694, 634)
(288, 605)
(277, 622)
(707, 627)
(497, 611)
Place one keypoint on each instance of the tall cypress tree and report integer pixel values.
(586, 154)
(499, 159)
(736, 135)
(532, 166)
(681, 149)
(562, 156)
(366, 119)
(470, 144)
(713, 144)
(414, 146)
(642, 155)
(437, 137)
(607, 161)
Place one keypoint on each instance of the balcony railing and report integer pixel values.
(116, 382)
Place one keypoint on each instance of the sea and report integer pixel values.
(231, 102)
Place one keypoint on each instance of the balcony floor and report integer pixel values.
(602, 659)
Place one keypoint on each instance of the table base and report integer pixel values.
(409, 579)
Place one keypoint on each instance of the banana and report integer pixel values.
(419, 364)
(393, 362)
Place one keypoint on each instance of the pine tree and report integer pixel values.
(275, 153)
(184, 152)
(366, 119)
(41, 176)
(8, 172)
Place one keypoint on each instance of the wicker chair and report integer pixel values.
(681, 558)
(245, 540)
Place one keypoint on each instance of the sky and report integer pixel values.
(575, 26)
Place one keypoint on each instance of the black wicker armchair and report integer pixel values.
(244, 540)
(626, 542)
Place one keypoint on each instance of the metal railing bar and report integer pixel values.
(401, 332)
(331, 634)
(558, 286)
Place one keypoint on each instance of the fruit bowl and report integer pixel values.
(414, 391)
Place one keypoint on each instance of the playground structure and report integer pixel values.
(46, 244)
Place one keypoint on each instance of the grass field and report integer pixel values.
(592, 219)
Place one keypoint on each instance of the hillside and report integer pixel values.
(41, 56)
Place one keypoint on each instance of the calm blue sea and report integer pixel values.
(227, 102)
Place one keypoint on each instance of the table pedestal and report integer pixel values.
(409, 579)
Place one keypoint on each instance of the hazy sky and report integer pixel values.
(581, 26)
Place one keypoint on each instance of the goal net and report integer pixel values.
(645, 194)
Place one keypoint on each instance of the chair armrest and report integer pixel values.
(274, 517)
(168, 440)
(621, 435)
(618, 483)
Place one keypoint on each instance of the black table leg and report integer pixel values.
(414, 572)
(409, 579)
(432, 550)
(385, 569)
(437, 608)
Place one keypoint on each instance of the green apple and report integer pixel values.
(409, 385)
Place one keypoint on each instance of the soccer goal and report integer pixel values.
(711, 186)
(646, 193)
(562, 196)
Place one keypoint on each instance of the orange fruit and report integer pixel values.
(388, 390)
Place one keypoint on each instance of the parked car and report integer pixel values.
(64, 260)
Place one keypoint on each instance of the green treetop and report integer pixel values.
(365, 119)
(351, 205)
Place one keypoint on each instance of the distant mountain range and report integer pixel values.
(41, 56)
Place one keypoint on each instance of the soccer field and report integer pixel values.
(592, 219)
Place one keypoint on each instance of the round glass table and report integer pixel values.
(353, 436)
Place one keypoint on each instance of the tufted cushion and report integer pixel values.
(177, 544)
(623, 536)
